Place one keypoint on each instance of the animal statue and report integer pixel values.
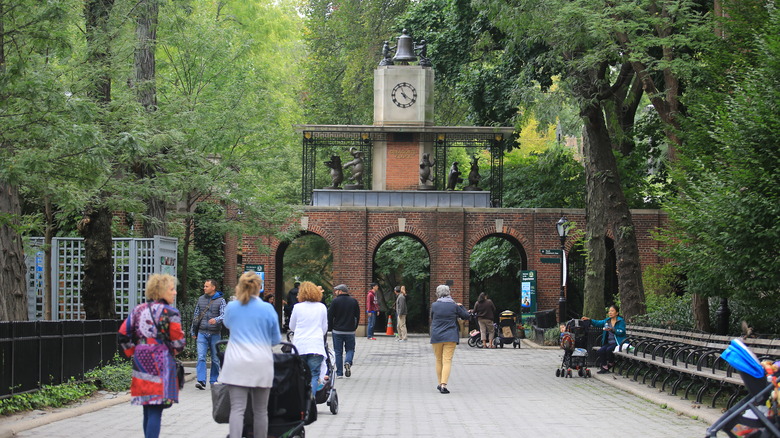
(454, 178)
(474, 175)
(356, 164)
(336, 174)
(425, 169)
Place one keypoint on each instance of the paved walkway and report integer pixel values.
(392, 392)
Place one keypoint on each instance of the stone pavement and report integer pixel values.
(392, 392)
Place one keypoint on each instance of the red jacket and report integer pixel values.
(372, 305)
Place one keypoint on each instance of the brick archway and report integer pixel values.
(449, 235)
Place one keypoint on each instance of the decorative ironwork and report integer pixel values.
(493, 143)
(318, 146)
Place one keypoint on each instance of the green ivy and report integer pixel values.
(48, 396)
(114, 377)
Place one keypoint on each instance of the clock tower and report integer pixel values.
(403, 93)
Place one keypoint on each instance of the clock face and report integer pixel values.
(404, 95)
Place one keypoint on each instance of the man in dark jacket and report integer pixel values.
(343, 318)
(207, 329)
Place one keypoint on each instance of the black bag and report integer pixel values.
(220, 405)
(180, 372)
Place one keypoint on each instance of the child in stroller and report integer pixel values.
(475, 336)
(574, 342)
(326, 390)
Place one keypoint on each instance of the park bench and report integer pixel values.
(685, 360)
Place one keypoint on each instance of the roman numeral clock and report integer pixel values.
(404, 95)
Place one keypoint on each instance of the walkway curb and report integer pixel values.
(14, 428)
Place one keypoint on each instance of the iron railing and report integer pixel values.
(38, 353)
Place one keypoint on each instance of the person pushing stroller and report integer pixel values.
(486, 315)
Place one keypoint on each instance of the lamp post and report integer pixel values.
(563, 230)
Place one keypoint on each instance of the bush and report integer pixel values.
(667, 311)
(114, 377)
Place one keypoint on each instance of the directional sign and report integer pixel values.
(550, 260)
(256, 268)
(551, 252)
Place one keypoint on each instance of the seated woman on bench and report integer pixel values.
(614, 334)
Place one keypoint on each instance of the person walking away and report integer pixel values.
(207, 329)
(152, 336)
(309, 322)
(249, 360)
(343, 318)
(486, 316)
(401, 311)
(445, 333)
(292, 300)
(372, 309)
(614, 333)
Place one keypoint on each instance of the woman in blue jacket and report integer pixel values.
(614, 334)
(445, 333)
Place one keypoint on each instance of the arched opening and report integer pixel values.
(495, 267)
(575, 289)
(402, 259)
(308, 257)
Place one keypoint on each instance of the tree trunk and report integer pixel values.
(602, 166)
(701, 313)
(155, 221)
(184, 274)
(97, 288)
(48, 235)
(595, 230)
(13, 287)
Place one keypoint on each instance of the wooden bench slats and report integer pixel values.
(688, 354)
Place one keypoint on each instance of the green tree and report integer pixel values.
(551, 179)
(724, 224)
(344, 42)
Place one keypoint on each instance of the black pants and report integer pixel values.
(606, 355)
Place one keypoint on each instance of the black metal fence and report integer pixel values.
(37, 353)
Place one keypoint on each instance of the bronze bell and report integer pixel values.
(404, 50)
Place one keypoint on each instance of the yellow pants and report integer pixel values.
(443, 352)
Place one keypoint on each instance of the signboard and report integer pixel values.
(549, 260)
(260, 269)
(528, 291)
(551, 252)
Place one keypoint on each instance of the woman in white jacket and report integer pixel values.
(309, 322)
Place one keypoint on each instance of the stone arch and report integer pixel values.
(488, 231)
(377, 239)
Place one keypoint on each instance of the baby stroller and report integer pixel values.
(326, 391)
(574, 342)
(289, 404)
(507, 329)
(757, 414)
(475, 336)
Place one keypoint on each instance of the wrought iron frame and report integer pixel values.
(317, 140)
(494, 143)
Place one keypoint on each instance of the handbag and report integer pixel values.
(220, 403)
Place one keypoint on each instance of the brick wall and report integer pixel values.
(354, 234)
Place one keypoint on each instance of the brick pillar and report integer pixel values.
(403, 161)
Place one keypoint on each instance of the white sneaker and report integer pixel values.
(347, 369)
